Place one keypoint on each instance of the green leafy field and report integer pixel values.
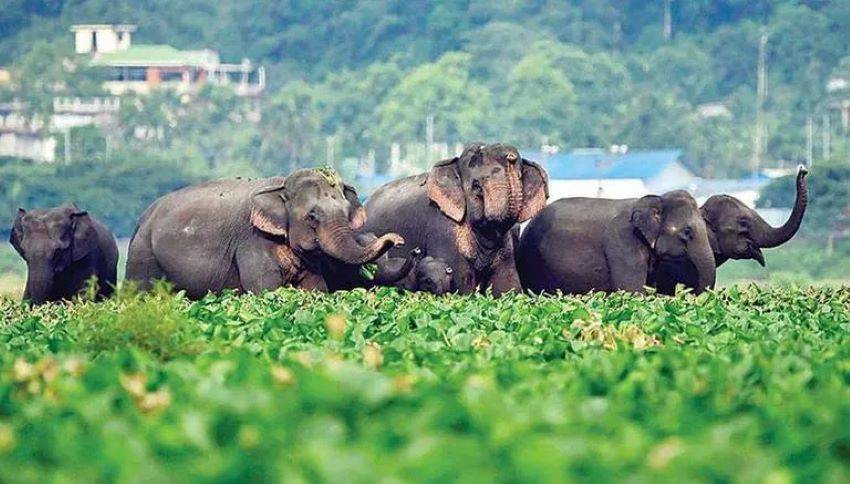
(745, 384)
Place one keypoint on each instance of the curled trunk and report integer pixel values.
(766, 236)
(394, 270)
(337, 240)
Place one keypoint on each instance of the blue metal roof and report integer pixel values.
(644, 165)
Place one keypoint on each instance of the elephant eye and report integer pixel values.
(312, 217)
(476, 187)
(743, 226)
(688, 233)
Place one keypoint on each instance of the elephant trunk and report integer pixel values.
(338, 241)
(766, 236)
(503, 198)
(390, 273)
(39, 282)
(515, 198)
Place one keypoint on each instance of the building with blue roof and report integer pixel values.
(613, 174)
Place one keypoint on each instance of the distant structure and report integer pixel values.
(141, 68)
(614, 173)
(22, 137)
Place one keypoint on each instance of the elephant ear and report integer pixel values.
(357, 214)
(446, 190)
(85, 236)
(17, 232)
(268, 211)
(535, 189)
(646, 218)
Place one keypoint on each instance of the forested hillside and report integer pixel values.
(355, 76)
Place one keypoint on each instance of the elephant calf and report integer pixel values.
(430, 274)
(252, 235)
(64, 247)
(577, 245)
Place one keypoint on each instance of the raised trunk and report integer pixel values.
(766, 236)
(39, 283)
(337, 240)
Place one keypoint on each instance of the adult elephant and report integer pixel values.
(735, 231)
(461, 212)
(578, 245)
(252, 235)
(64, 247)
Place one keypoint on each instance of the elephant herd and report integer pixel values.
(462, 219)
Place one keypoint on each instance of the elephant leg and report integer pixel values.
(142, 267)
(258, 269)
(313, 282)
(505, 277)
(628, 269)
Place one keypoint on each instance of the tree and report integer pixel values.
(540, 103)
(444, 90)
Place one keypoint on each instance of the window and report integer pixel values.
(136, 74)
(171, 76)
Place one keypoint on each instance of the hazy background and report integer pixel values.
(347, 79)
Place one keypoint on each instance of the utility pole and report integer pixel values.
(759, 138)
(67, 146)
(668, 20)
(827, 135)
(329, 151)
(429, 135)
(810, 140)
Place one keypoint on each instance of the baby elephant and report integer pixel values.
(63, 248)
(431, 274)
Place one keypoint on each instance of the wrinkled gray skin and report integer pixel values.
(390, 270)
(461, 212)
(580, 245)
(64, 247)
(251, 235)
(735, 231)
(432, 275)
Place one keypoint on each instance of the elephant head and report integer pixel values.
(488, 186)
(672, 227)
(433, 275)
(49, 241)
(738, 232)
(317, 214)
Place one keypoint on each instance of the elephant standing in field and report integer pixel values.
(461, 212)
(252, 235)
(735, 231)
(63, 248)
(580, 245)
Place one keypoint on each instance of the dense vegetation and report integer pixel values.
(744, 384)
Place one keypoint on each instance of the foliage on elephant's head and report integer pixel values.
(316, 213)
(739, 232)
(330, 175)
(488, 185)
